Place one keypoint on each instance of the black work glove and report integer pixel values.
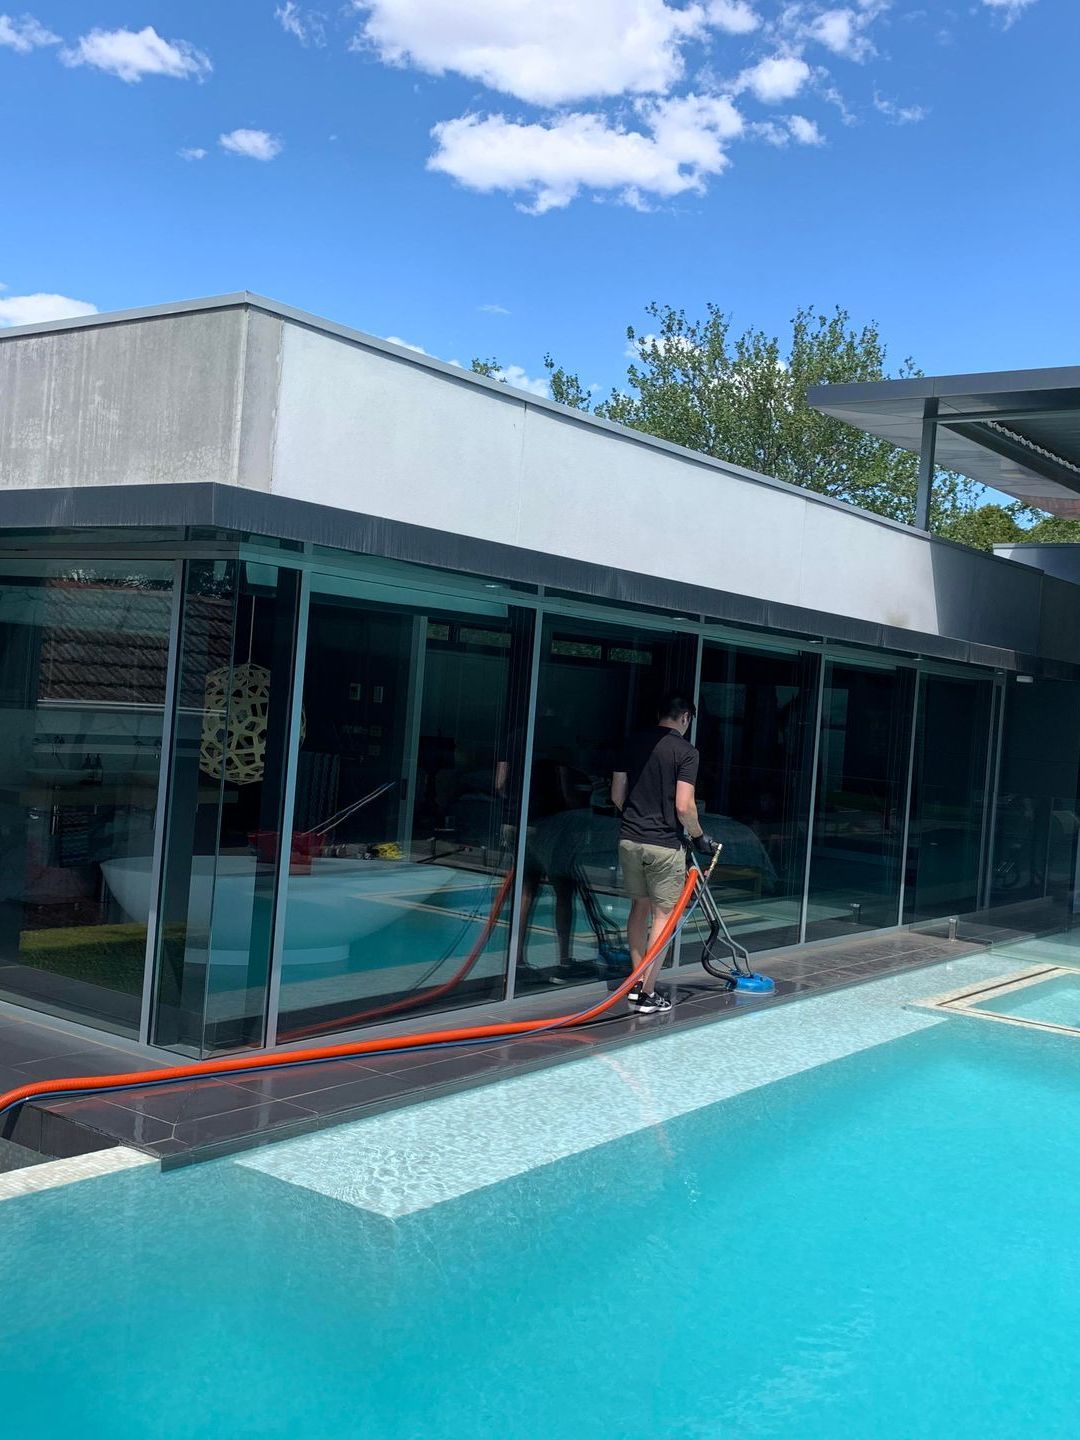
(704, 845)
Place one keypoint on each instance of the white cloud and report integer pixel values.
(494, 309)
(25, 34)
(804, 131)
(842, 29)
(834, 97)
(734, 17)
(772, 132)
(254, 144)
(514, 375)
(1010, 9)
(899, 114)
(308, 26)
(643, 345)
(549, 164)
(131, 54)
(548, 53)
(40, 308)
(843, 32)
(397, 340)
(192, 152)
(782, 131)
(776, 78)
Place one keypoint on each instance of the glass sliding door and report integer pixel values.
(948, 797)
(597, 683)
(755, 733)
(1038, 815)
(83, 663)
(858, 830)
(236, 663)
(408, 780)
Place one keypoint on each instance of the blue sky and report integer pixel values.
(503, 177)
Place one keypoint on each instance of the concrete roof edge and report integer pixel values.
(455, 373)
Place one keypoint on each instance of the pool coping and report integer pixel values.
(52, 1174)
(965, 1001)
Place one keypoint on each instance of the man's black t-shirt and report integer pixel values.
(654, 762)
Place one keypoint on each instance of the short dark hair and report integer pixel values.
(675, 705)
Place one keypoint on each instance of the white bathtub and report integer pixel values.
(339, 902)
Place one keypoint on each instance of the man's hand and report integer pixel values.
(704, 845)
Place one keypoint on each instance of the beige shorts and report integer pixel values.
(652, 872)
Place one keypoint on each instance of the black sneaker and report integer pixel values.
(654, 1004)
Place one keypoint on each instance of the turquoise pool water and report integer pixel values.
(885, 1246)
(1055, 1002)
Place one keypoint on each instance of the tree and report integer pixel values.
(1053, 530)
(985, 526)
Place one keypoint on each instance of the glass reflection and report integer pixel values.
(755, 735)
(408, 781)
(948, 797)
(237, 656)
(597, 684)
(1037, 821)
(83, 658)
(862, 793)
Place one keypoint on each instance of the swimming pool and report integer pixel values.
(881, 1245)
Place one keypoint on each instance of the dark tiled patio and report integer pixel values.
(195, 1120)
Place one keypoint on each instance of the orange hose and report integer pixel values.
(243, 1063)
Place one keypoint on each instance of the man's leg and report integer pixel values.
(530, 886)
(563, 886)
(665, 874)
(660, 915)
(637, 930)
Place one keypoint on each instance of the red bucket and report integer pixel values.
(303, 848)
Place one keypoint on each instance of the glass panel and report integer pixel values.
(1036, 824)
(237, 655)
(862, 794)
(407, 778)
(948, 797)
(597, 683)
(755, 734)
(83, 661)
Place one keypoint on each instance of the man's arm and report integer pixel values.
(619, 788)
(686, 809)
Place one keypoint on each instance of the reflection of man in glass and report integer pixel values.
(558, 828)
(654, 791)
(558, 831)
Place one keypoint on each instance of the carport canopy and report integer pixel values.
(1017, 431)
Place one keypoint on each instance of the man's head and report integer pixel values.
(676, 712)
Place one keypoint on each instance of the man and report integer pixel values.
(654, 792)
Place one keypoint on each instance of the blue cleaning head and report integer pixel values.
(754, 985)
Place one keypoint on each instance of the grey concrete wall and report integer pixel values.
(147, 401)
(368, 431)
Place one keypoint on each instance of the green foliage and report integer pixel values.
(985, 526)
(1054, 530)
(565, 387)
